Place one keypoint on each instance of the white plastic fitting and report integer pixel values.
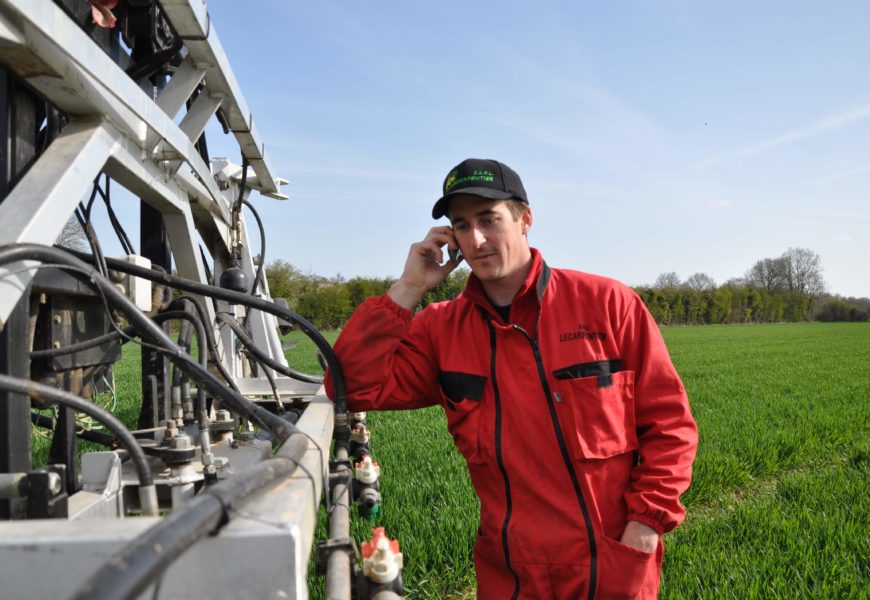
(367, 471)
(382, 560)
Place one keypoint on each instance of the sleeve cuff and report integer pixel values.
(399, 311)
(647, 520)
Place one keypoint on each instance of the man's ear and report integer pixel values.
(526, 220)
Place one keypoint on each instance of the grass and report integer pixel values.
(779, 503)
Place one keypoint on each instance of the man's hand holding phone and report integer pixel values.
(425, 267)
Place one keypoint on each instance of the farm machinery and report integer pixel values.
(216, 489)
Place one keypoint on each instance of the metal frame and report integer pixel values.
(117, 128)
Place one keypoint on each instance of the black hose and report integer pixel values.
(202, 351)
(262, 356)
(113, 219)
(208, 276)
(45, 394)
(98, 437)
(262, 246)
(279, 406)
(129, 572)
(246, 300)
(209, 336)
(234, 401)
(85, 345)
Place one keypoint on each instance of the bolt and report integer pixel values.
(223, 416)
(171, 430)
(181, 442)
(55, 485)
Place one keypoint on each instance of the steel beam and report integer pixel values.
(41, 203)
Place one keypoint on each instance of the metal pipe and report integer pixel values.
(338, 566)
(129, 572)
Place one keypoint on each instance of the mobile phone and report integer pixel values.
(455, 254)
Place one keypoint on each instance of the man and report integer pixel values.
(558, 390)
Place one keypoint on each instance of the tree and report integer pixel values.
(448, 289)
(803, 272)
(285, 281)
(700, 282)
(768, 274)
(73, 236)
(667, 280)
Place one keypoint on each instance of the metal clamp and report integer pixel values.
(324, 549)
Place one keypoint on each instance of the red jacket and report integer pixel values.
(571, 418)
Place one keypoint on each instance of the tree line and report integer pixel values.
(787, 288)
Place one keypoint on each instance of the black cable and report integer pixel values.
(244, 299)
(90, 234)
(279, 406)
(208, 276)
(261, 356)
(209, 336)
(262, 245)
(113, 219)
(202, 351)
(280, 428)
(85, 345)
(129, 572)
(46, 395)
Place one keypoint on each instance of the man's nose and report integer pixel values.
(477, 238)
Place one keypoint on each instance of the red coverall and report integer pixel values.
(571, 418)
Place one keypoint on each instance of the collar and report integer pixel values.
(527, 297)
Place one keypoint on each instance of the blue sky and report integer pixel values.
(651, 136)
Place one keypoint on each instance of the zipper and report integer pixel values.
(566, 456)
(501, 467)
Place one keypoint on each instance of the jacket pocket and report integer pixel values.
(602, 405)
(462, 397)
(623, 570)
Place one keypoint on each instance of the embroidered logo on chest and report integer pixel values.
(583, 332)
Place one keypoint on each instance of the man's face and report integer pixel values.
(492, 241)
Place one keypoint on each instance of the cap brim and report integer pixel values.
(440, 208)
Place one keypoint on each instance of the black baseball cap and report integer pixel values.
(480, 177)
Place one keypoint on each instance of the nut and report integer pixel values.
(181, 442)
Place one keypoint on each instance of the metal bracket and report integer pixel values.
(324, 549)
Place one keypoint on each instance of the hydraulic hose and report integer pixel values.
(202, 351)
(260, 355)
(262, 245)
(134, 568)
(45, 394)
(85, 345)
(201, 289)
(209, 336)
(280, 428)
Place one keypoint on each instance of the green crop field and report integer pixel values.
(779, 504)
